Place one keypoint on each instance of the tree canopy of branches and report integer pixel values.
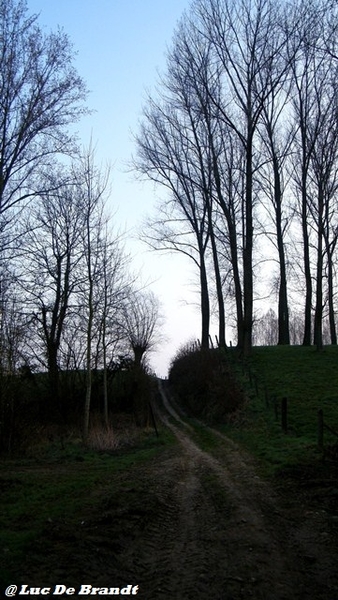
(235, 133)
(41, 95)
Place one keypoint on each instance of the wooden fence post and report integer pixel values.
(320, 429)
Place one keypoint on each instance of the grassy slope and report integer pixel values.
(309, 380)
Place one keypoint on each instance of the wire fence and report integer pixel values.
(280, 405)
(255, 385)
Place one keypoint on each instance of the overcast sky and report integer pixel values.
(121, 46)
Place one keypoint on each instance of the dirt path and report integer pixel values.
(188, 526)
(224, 534)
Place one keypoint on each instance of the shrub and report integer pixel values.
(204, 384)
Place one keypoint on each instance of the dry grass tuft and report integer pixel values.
(102, 438)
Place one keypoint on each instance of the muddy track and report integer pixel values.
(223, 533)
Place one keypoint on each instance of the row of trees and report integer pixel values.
(243, 134)
(68, 300)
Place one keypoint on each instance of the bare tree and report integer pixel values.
(323, 187)
(217, 139)
(266, 329)
(92, 186)
(310, 64)
(13, 325)
(277, 140)
(170, 153)
(227, 170)
(111, 292)
(194, 79)
(248, 42)
(41, 94)
(53, 250)
(140, 322)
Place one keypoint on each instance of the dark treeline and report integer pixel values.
(242, 132)
(68, 299)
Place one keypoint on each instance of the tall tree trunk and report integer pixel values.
(89, 334)
(53, 372)
(219, 290)
(307, 268)
(283, 309)
(88, 375)
(247, 253)
(205, 304)
(318, 321)
(231, 224)
(104, 343)
(238, 287)
(105, 378)
(333, 331)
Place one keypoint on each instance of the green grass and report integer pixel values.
(309, 381)
(62, 484)
(204, 438)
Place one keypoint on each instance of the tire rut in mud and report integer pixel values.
(178, 557)
(226, 535)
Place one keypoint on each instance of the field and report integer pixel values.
(139, 514)
(50, 502)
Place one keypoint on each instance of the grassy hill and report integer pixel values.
(308, 379)
(206, 384)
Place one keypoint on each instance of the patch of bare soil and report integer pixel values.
(189, 526)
